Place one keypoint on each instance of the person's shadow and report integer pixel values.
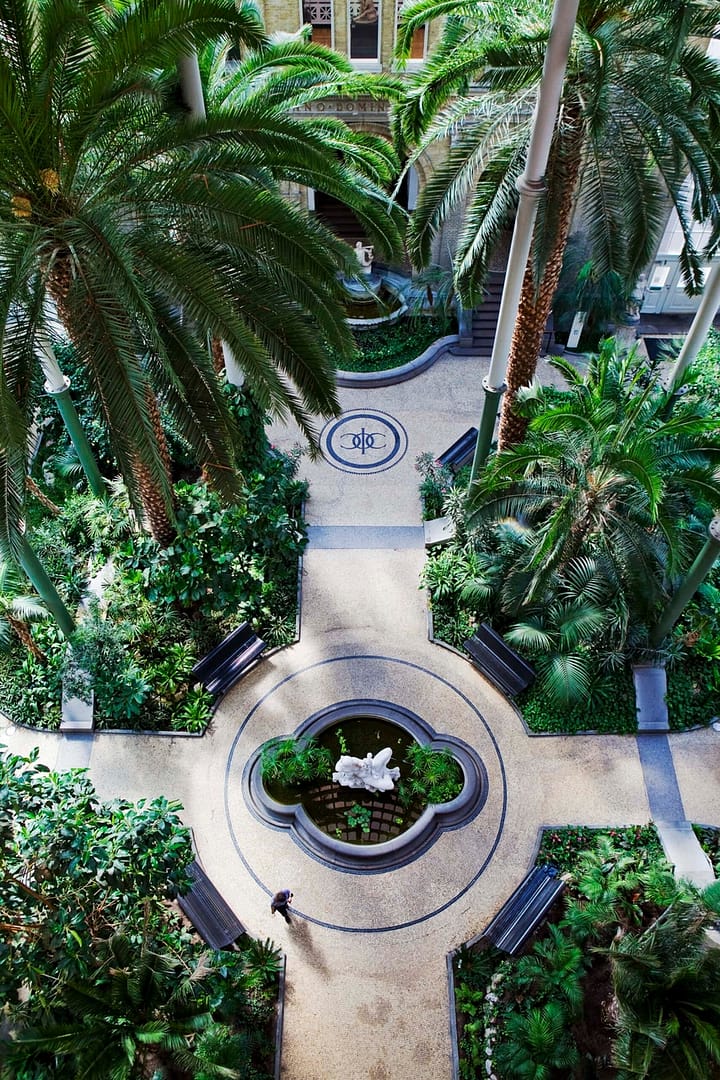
(303, 937)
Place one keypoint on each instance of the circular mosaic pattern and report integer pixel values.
(364, 441)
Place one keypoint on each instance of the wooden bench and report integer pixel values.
(461, 451)
(492, 655)
(225, 664)
(212, 917)
(523, 912)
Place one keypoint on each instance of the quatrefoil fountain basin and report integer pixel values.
(354, 828)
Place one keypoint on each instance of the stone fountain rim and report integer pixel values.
(391, 854)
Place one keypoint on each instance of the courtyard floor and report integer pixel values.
(367, 991)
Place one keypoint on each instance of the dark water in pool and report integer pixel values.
(327, 803)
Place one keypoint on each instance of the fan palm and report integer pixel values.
(147, 236)
(612, 473)
(140, 1011)
(17, 611)
(667, 986)
(537, 1044)
(638, 112)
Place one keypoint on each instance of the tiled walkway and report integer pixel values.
(367, 991)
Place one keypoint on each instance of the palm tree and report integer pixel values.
(140, 1011)
(148, 236)
(613, 471)
(638, 112)
(18, 611)
(537, 1044)
(587, 525)
(667, 989)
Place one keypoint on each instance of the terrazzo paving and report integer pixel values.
(367, 994)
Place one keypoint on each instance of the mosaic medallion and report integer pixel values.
(364, 441)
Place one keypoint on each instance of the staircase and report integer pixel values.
(484, 319)
(339, 219)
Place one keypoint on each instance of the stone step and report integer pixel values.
(682, 848)
(650, 692)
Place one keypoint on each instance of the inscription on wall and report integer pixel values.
(337, 107)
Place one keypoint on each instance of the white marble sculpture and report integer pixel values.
(369, 772)
(364, 254)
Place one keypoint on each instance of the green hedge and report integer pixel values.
(395, 344)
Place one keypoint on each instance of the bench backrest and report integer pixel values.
(496, 659)
(230, 645)
(212, 917)
(524, 910)
(460, 452)
(224, 676)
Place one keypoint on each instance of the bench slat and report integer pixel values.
(234, 667)
(524, 910)
(227, 647)
(461, 451)
(492, 655)
(212, 917)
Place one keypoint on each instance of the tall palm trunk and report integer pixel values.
(153, 500)
(41, 497)
(536, 301)
(22, 630)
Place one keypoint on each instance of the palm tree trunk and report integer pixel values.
(536, 302)
(154, 502)
(218, 357)
(41, 496)
(22, 629)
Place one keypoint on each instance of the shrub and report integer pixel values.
(437, 482)
(435, 775)
(394, 344)
(564, 847)
(294, 761)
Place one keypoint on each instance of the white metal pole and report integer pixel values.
(530, 185)
(702, 322)
(191, 85)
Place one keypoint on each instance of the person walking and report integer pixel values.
(280, 902)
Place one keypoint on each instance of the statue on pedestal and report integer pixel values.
(369, 772)
(365, 254)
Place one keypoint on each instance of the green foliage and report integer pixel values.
(100, 967)
(705, 372)
(195, 712)
(577, 537)
(537, 1043)
(540, 1014)
(76, 867)
(395, 344)
(98, 660)
(693, 694)
(238, 557)
(435, 776)
(435, 487)
(164, 609)
(709, 837)
(604, 296)
(294, 761)
(564, 847)
(667, 986)
(359, 817)
(609, 708)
